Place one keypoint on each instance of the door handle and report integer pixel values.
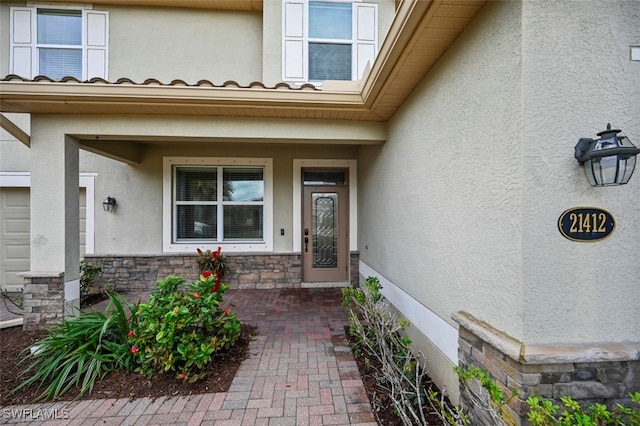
(306, 240)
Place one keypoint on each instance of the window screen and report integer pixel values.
(330, 41)
(243, 184)
(59, 43)
(330, 20)
(243, 220)
(59, 63)
(202, 214)
(329, 61)
(60, 27)
(196, 184)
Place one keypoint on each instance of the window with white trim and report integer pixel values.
(328, 40)
(59, 41)
(218, 202)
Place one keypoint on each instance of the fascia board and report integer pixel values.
(15, 93)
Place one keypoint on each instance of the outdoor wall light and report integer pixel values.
(109, 204)
(607, 161)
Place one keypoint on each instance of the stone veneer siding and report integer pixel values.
(43, 299)
(604, 373)
(246, 271)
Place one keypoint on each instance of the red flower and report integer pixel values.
(134, 350)
(227, 311)
(217, 286)
(182, 376)
(131, 333)
(207, 274)
(196, 295)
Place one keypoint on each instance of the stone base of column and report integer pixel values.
(588, 373)
(44, 302)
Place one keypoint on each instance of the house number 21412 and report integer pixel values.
(582, 222)
(586, 224)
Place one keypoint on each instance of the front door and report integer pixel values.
(325, 233)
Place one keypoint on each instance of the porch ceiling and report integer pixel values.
(419, 35)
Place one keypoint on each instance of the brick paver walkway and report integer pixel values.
(300, 372)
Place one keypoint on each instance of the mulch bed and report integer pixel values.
(119, 384)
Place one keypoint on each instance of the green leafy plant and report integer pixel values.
(212, 261)
(80, 351)
(181, 330)
(487, 394)
(543, 412)
(88, 273)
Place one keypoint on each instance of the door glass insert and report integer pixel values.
(325, 230)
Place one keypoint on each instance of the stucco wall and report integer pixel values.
(577, 77)
(460, 206)
(441, 201)
(14, 155)
(136, 225)
(168, 44)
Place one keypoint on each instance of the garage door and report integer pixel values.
(14, 234)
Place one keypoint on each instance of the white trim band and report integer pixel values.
(442, 334)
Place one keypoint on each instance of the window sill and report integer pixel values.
(226, 247)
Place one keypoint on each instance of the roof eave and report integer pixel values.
(75, 98)
(420, 34)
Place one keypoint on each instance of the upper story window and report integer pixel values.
(328, 40)
(211, 202)
(57, 42)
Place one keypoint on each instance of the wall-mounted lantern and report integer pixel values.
(109, 204)
(607, 161)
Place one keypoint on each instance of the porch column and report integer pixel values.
(52, 287)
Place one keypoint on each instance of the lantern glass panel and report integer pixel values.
(608, 170)
(591, 171)
(626, 170)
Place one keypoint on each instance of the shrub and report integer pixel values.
(543, 412)
(80, 351)
(88, 273)
(181, 330)
(400, 374)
